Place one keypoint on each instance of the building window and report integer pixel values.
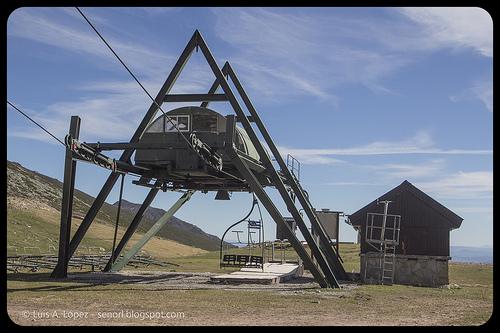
(240, 143)
(204, 123)
(156, 126)
(176, 123)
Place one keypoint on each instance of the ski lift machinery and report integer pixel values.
(191, 149)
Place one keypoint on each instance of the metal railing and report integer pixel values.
(293, 165)
(383, 235)
(94, 261)
(389, 234)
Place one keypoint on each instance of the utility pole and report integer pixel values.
(384, 218)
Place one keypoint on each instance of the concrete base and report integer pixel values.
(271, 274)
(428, 271)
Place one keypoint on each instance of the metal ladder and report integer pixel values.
(384, 239)
(388, 261)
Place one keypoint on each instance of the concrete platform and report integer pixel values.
(272, 273)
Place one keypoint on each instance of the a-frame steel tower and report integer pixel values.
(326, 269)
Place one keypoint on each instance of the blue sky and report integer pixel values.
(364, 97)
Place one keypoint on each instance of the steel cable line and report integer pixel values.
(37, 124)
(48, 132)
(149, 95)
(52, 135)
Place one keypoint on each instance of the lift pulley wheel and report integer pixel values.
(89, 154)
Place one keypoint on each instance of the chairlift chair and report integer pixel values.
(249, 260)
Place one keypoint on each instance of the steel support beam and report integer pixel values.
(132, 227)
(61, 270)
(321, 252)
(269, 205)
(195, 98)
(121, 167)
(127, 145)
(330, 253)
(113, 177)
(276, 215)
(121, 262)
(322, 261)
(118, 211)
(215, 86)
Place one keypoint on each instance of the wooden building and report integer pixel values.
(424, 236)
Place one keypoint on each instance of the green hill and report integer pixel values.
(30, 188)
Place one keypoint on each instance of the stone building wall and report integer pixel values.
(429, 271)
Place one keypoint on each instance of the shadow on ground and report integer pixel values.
(145, 280)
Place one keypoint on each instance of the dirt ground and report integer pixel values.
(177, 298)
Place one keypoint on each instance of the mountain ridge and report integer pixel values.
(472, 254)
(153, 214)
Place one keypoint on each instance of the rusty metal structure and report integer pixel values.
(197, 149)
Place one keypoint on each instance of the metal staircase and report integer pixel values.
(329, 267)
(333, 257)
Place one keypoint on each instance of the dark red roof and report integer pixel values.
(454, 221)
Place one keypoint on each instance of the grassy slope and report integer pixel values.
(32, 231)
(33, 186)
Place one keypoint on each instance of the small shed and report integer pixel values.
(423, 250)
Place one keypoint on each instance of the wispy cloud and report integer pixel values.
(110, 109)
(268, 38)
(318, 159)
(65, 32)
(461, 185)
(473, 186)
(409, 171)
(421, 143)
(255, 71)
(354, 184)
(154, 11)
(293, 53)
(111, 112)
(455, 27)
(476, 187)
(481, 90)
(111, 117)
(474, 210)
